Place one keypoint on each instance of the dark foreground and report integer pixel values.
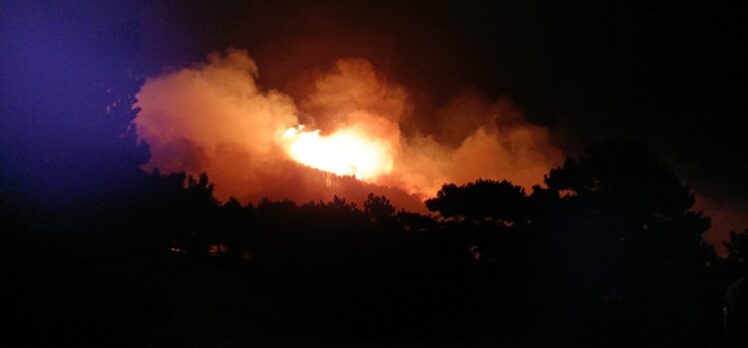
(608, 254)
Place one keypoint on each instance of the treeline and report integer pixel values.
(606, 253)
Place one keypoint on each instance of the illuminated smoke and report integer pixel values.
(725, 216)
(215, 118)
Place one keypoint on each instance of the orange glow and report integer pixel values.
(215, 117)
(346, 152)
(217, 249)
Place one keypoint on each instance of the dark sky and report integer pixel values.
(667, 73)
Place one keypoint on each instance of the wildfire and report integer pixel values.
(344, 152)
(215, 117)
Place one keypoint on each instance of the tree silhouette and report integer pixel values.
(623, 196)
(378, 207)
(482, 201)
(737, 247)
(626, 240)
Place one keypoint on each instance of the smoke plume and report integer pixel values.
(214, 117)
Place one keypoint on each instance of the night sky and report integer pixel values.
(666, 73)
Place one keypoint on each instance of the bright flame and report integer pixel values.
(345, 152)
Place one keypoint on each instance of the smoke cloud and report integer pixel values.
(214, 117)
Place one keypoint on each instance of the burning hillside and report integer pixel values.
(343, 139)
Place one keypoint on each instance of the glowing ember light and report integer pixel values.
(217, 249)
(345, 152)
